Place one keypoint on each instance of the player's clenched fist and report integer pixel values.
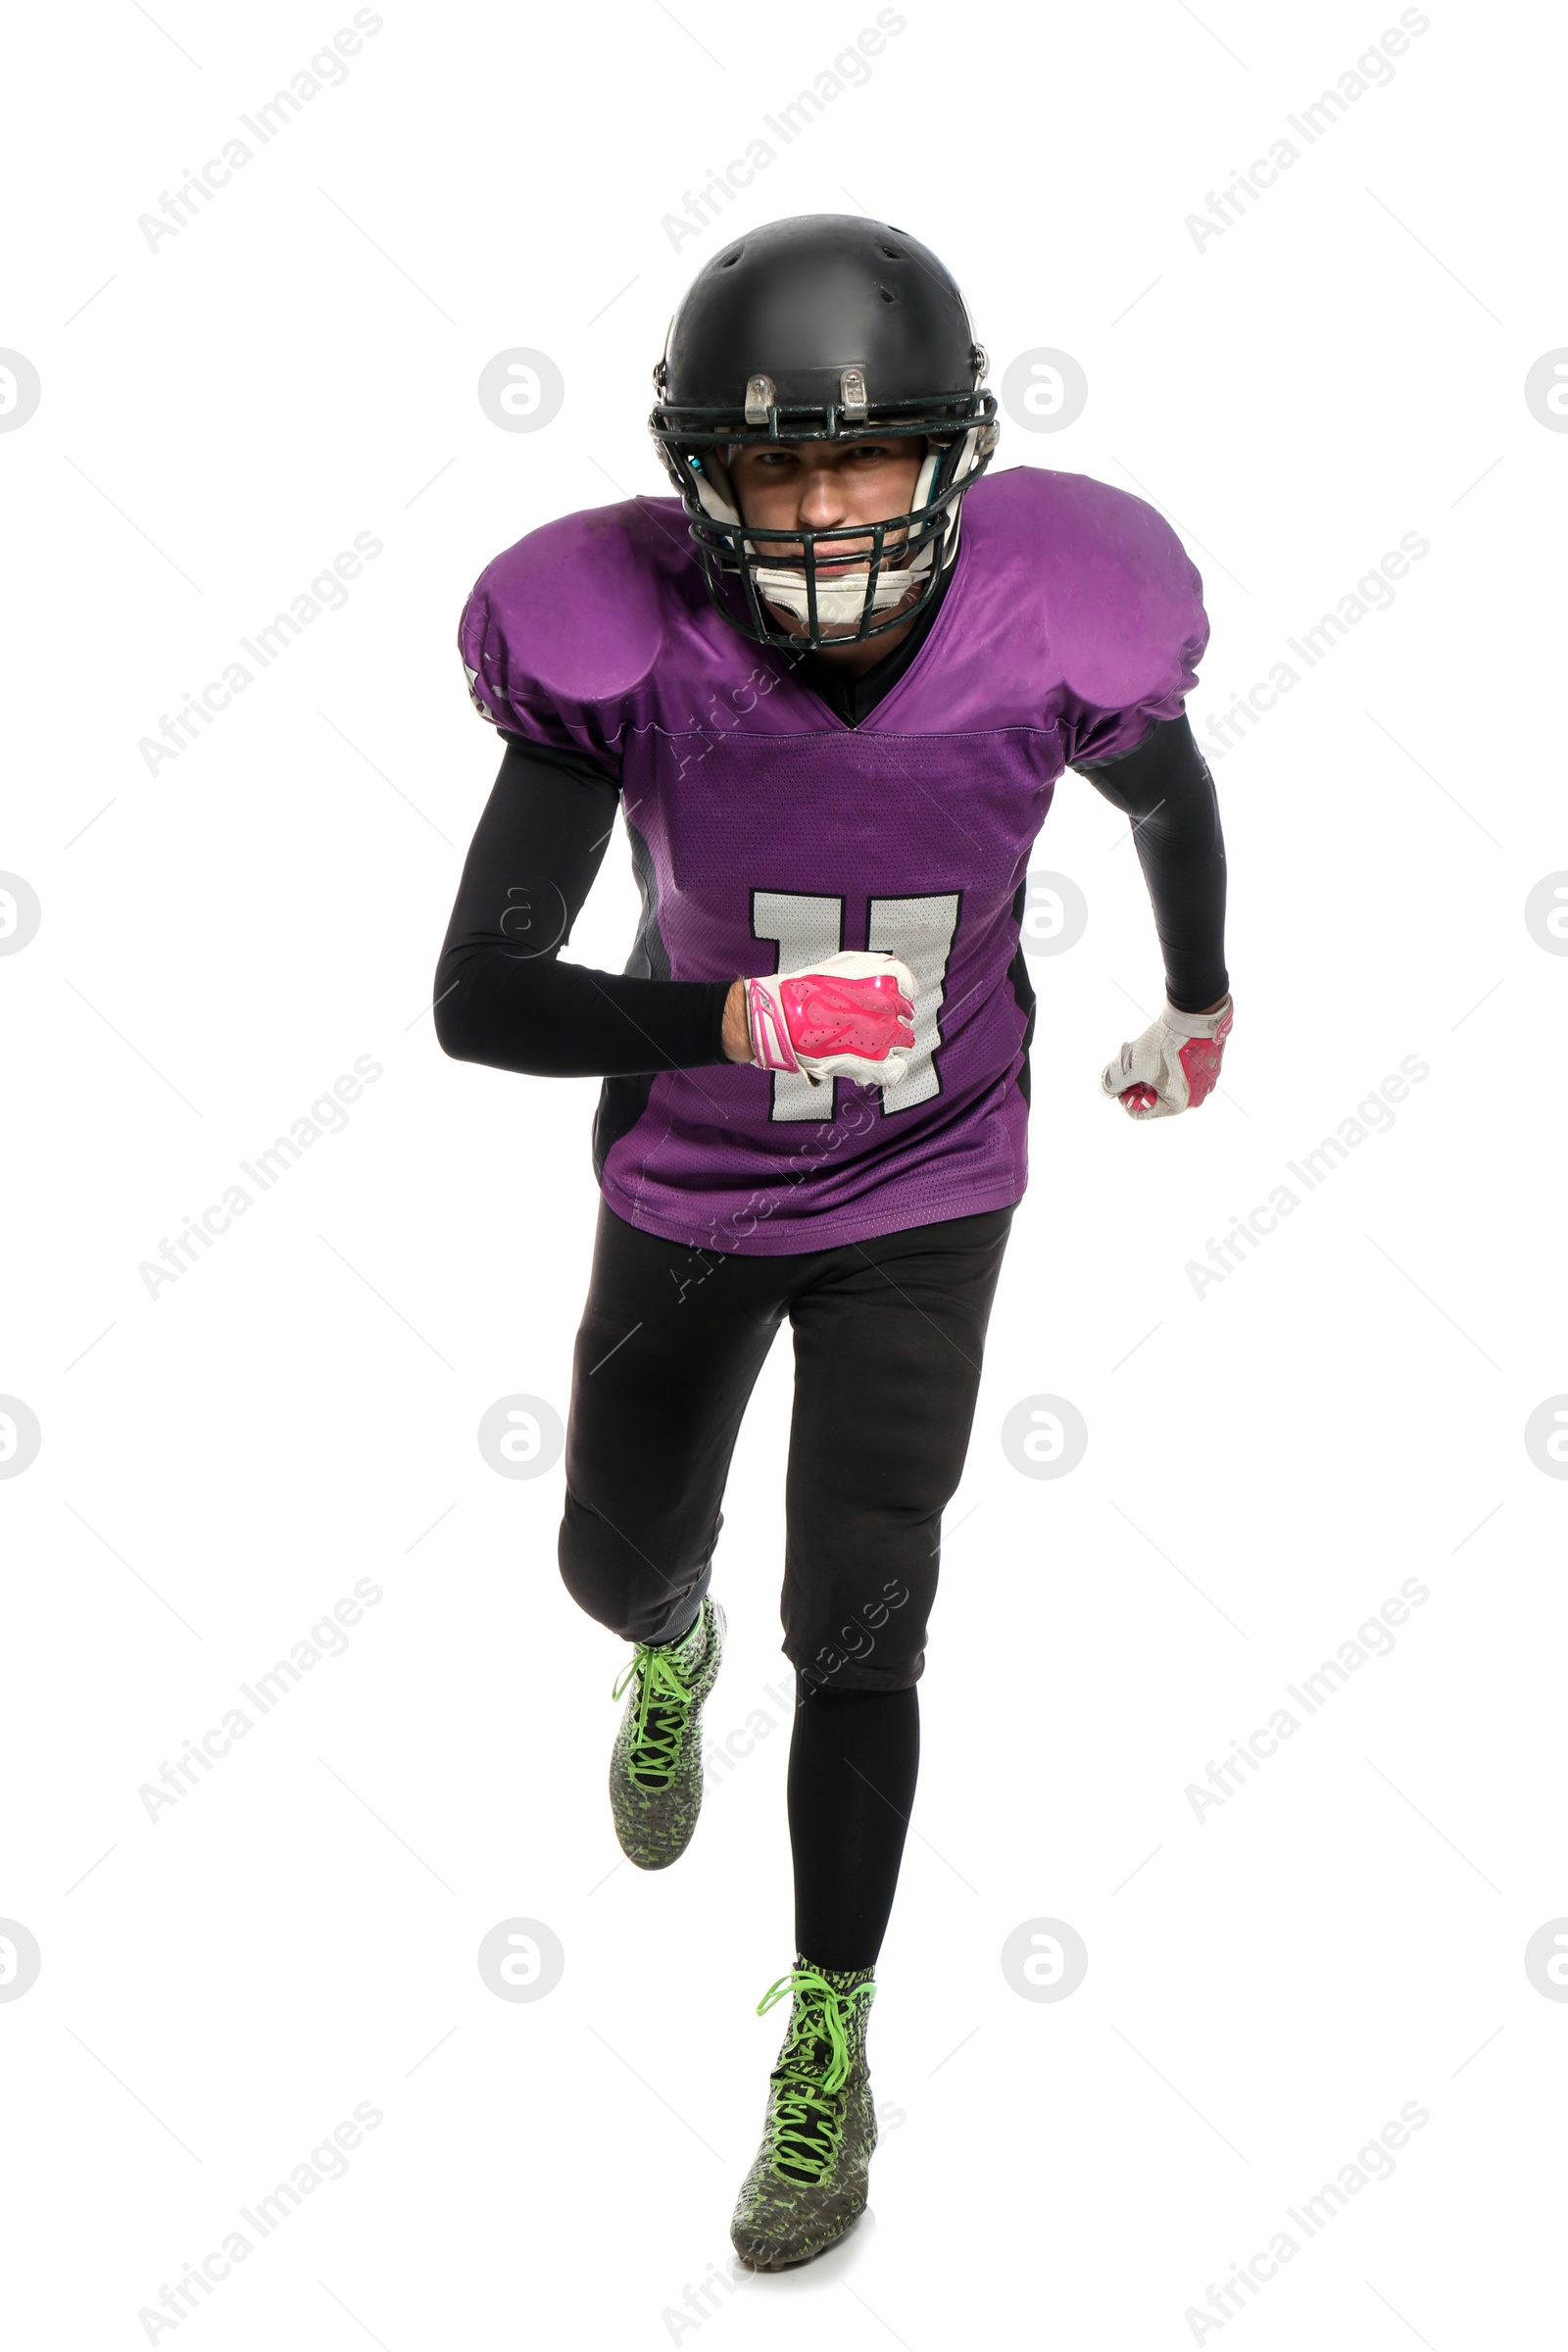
(839, 1018)
(1173, 1065)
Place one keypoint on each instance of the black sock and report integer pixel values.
(854, 1759)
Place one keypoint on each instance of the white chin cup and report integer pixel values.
(841, 599)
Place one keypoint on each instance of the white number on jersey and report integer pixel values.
(918, 930)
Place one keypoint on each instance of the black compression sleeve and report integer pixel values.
(501, 995)
(1165, 786)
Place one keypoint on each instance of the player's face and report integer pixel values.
(824, 486)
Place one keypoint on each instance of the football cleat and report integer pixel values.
(810, 2179)
(655, 1768)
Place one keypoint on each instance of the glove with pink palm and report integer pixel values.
(1173, 1066)
(838, 1018)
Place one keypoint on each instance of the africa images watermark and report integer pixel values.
(326, 593)
(1372, 1115)
(1374, 2161)
(850, 69)
(702, 2302)
(1373, 69)
(722, 1752)
(326, 1638)
(327, 2161)
(325, 71)
(1373, 593)
(327, 1117)
(1373, 1639)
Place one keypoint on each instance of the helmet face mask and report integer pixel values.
(754, 357)
(842, 582)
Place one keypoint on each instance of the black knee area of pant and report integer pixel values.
(615, 1583)
(854, 1757)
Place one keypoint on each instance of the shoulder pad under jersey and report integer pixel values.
(1104, 595)
(563, 628)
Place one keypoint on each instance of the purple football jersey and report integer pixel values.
(765, 833)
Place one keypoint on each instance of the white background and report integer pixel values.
(1268, 1985)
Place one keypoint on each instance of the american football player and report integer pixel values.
(829, 685)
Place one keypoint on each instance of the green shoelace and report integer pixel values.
(804, 2133)
(659, 1724)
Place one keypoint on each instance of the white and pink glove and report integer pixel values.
(839, 1018)
(1172, 1066)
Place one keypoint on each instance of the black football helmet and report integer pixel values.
(825, 328)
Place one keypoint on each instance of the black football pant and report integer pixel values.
(889, 1336)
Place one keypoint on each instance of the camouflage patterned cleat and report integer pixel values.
(809, 2180)
(655, 1770)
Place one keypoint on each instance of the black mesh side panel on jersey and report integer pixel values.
(622, 1100)
(1022, 989)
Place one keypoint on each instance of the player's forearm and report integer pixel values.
(546, 1019)
(1166, 789)
(500, 995)
(1187, 892)
(736, 1033)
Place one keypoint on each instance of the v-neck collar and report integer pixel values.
(934, 625)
